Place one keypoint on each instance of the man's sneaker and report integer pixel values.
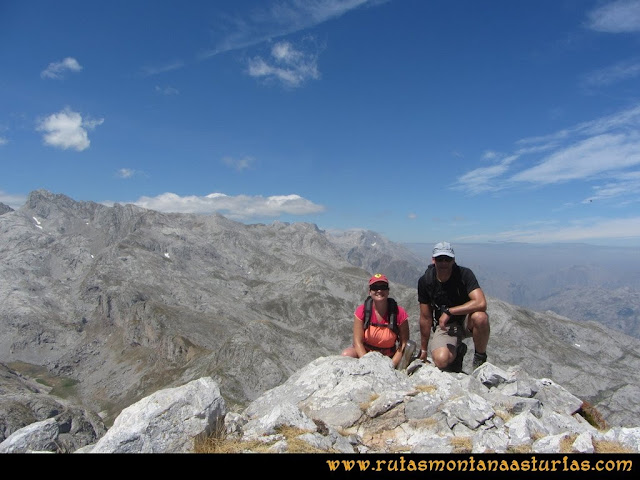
(456, 365)
(407, 355)
(479, 359)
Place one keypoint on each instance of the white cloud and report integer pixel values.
(149, 71)
(238, 164)
(3, 141)
(482, 179)
(125, 173)
(288, 65)
(240, 207)
(270, 21)
(605, 149)
(623, 186)
(67, 129)
(282, 18)
(621, 71)
(625, 119)
(584, 230)
(620, 16)
(585, 159)
(167, 90)
(57, 69)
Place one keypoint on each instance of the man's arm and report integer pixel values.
(477, 303)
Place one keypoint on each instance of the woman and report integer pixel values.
(379, 334)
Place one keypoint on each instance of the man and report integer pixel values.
(453, 305)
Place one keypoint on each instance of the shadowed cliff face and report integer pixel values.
(125, 301)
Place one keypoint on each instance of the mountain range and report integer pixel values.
(108, 304)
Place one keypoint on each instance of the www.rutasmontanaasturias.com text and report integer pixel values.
(530, 464)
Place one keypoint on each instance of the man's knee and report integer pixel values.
(441, 357)
(479, 320)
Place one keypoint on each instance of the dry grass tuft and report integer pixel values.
(429, 422)
(223, 445)
(593, 416)
(365, 405)
(606, 446)
(426, 388)
(535, 435)
(525, 448)
(504, 415)
(566, 444)
(294, 442)
(461, 444)
(220, 442)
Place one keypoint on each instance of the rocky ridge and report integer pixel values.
(343, 405)
(5, 208)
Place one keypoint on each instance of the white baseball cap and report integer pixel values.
(443, 248)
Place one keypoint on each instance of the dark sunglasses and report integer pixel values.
(444, 258)
(379, 286)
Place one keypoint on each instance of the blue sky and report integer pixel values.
(465, 121)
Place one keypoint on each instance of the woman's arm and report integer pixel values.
(404, 338)
(358, 336)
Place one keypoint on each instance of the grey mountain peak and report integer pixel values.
(115, 303)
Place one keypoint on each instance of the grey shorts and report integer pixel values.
(441, 338)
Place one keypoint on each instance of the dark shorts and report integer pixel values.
(441, 338)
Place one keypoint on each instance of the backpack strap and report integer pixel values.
(392, 309)
(367, 311)
(430, 277)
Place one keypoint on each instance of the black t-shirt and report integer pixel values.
(451, 293)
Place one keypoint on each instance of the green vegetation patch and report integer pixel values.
(63, 387)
